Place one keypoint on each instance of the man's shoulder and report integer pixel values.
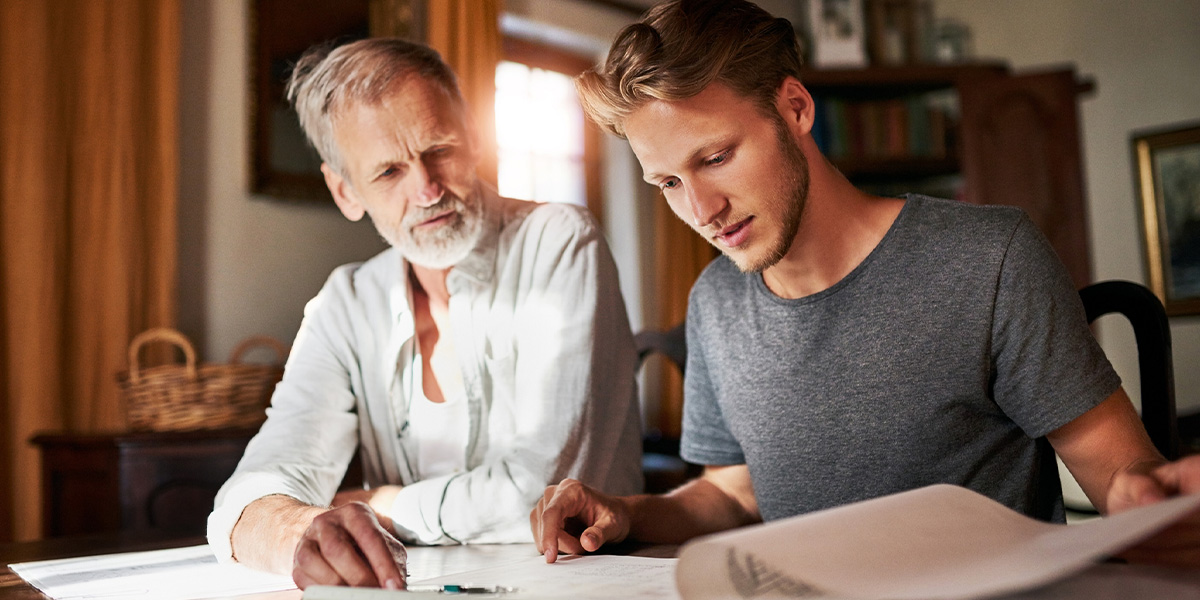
(964, 218)
(549, 223)
(556, 216)
(374, 275)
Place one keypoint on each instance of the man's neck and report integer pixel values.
(432, 282)
(841, 225)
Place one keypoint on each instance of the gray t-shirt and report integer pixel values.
(945, 357)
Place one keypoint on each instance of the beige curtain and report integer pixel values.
(680, 256)
(467, 34)
(88, 166)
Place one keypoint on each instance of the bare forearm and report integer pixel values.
(266, 535)
(697, 508)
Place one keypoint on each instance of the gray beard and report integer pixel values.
(445, 246)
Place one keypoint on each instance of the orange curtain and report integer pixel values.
(88, 187)
(680, 256)
(467, 34)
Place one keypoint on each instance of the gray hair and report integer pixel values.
(326, 79)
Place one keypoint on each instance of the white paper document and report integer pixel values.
(575, 578)
(175, 574)
(937, 542)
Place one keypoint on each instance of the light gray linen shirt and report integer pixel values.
(547, 361)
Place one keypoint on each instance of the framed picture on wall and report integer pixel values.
(1168, 176)
(838, 33)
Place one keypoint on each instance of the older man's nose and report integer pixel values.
(429, 191)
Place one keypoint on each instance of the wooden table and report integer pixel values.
(1107, 581)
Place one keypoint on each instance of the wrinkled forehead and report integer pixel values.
(420, 97)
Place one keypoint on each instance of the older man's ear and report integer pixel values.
(344, 194)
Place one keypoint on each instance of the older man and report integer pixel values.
(484, 355)
(846, 346)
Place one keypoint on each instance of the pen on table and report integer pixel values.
(325, 592)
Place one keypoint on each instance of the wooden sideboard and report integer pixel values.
(153, 482)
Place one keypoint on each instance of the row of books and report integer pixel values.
(916, 126)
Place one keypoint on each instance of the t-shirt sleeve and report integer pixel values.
(706, 439)
(1049, 369)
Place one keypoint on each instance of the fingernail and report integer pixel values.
(550, 555)
(392, 584)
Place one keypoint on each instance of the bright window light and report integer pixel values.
(539, 130)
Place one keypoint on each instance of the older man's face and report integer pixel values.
(410, 164)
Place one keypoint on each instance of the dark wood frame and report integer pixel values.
(1153, 211)
(280, 30)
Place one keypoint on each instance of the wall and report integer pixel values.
(1143, 58)
(247, 264)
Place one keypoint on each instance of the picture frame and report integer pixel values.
(1168, 183)
(282, 163)
(837, 30)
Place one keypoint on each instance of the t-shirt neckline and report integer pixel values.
(910, 202)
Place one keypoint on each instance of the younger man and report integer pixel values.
(847, 346)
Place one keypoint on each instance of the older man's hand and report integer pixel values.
(351, 546)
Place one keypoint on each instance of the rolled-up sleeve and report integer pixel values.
(311, 431)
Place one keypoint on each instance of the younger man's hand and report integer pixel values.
(569, 507)
(1177, 545)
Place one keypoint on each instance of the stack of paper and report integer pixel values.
(176, 574)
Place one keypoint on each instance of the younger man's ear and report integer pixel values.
(344, 194)
(795, 104)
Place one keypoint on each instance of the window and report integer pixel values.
(547, 149)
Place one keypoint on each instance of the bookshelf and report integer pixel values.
(975, 132)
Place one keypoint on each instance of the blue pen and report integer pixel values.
(451, 588)
(323, 592)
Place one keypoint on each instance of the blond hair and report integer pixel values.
(682, 46)
(326, 79)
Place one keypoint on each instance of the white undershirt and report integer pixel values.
(439, 429)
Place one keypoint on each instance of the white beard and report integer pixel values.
(447, 244)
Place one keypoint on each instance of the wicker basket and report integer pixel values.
(177, 397)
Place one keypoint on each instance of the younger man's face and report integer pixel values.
(734, 175)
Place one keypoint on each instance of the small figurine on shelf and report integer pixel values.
(952, 41)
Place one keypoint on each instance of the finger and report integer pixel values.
(339, 549)
(550, 526)
(535, 524)
(384, 553)
(310, 568)
(569, 544)
(1181, 476)
(604, 529)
